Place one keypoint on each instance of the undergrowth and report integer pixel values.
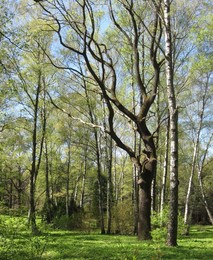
(17, 243)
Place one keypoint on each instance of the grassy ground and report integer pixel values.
(16, 243)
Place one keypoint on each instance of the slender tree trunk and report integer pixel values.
(100, 190)
(187, 203)
(204, 196)
(100, 199)
(200, 169)
(10, 194)
(34, 168)
(157, 134)
(92, 118)
(173, 114)
(195, 154)
(32, 211)
(37, 150)
(108, 154)
(19, 192)
(75, 193)
(48, 200)
(173, 214)
(83, 180)
(109, 185)
(115, 178)
(153, 193)
(136, 146)
(19, 189)
(165, 169)
(135, 198)
(51, 176)
(68, 179)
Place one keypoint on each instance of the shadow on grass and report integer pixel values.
(198, 245)
(59, 244)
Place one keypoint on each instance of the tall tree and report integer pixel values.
(173, 119)
(32, 87)
(98, 55)
(197, 109)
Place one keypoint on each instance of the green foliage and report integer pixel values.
(23, 67)
(95, 195)
(73, 222)
(160, 222)
(123, 218)
(16, 244)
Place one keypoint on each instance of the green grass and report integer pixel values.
(16, 243)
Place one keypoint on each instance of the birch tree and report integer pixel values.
(173, 119)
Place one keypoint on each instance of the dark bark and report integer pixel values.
(32, 210)
(135, 199)
(108, 163)
(109, 186)
(104, 75)
(10, 204)
(100, 188)
(48, 202)
(145, 181)
(19, 186)
(83, 179)
(68, 178)
(34, 168)
(98, 160)
(37, 150)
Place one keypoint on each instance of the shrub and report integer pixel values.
(160, 222)
(16, 242)
(75, 221)
(122, 222)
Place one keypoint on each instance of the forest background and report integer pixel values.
(83, 91)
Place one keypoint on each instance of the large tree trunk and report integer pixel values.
(146, 171)
(145, 181)
(173, 115)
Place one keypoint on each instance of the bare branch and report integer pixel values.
(73, 117)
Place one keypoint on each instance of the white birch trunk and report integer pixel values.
(165, 170)
(195, 154)
(200, 169)
(204, 197)
(187, 203)
(173, 115)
